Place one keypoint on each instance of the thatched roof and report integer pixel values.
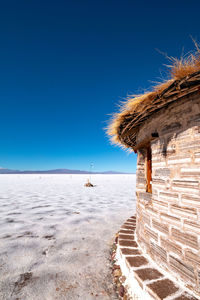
(185, 79)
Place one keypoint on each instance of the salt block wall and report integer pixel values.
(168, 220)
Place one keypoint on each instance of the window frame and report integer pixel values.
(148, 169)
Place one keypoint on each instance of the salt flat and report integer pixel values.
(55, 234)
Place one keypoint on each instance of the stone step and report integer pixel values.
(140, 269)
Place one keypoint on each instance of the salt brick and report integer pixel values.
(151, 234)
(186, 134)
(191, 145)
(131, 220)
(129, 251)
(158, 181)
(184, 270)
(185, 296)
(192, 258)
(169, 197)
(191, 226)
(186, 184)
(189, 186)
(160, 205)
(190, 172)
(140, 180)
(156, 164)
(197, 160)
(158, 252)
(161, 289)
(192, 201)
(170, 219)
(130, 224)
(146, 219)
(127, 243)
(136, 261)
(184, 211)
(160, 227)
(185, 238)
(126, 236)
(151, 211)
(179, 160)
(128, 227)
(125, 231)
(145, 196)
(144, 243)
(171, 246)
(147, 274)
(197, 157)
(162, 172)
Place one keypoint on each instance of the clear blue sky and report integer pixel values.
(64, 66)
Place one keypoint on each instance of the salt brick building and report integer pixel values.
(159, 250)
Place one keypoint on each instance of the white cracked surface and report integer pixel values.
(55, 234)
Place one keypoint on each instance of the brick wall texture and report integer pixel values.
(168, 219)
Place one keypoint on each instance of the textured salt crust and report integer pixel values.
(55, 234)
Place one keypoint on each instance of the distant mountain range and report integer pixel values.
(56, 171)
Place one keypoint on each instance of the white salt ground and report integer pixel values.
(56, 234)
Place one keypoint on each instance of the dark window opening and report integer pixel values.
(149, 170)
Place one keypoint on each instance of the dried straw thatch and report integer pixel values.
(184, 79)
